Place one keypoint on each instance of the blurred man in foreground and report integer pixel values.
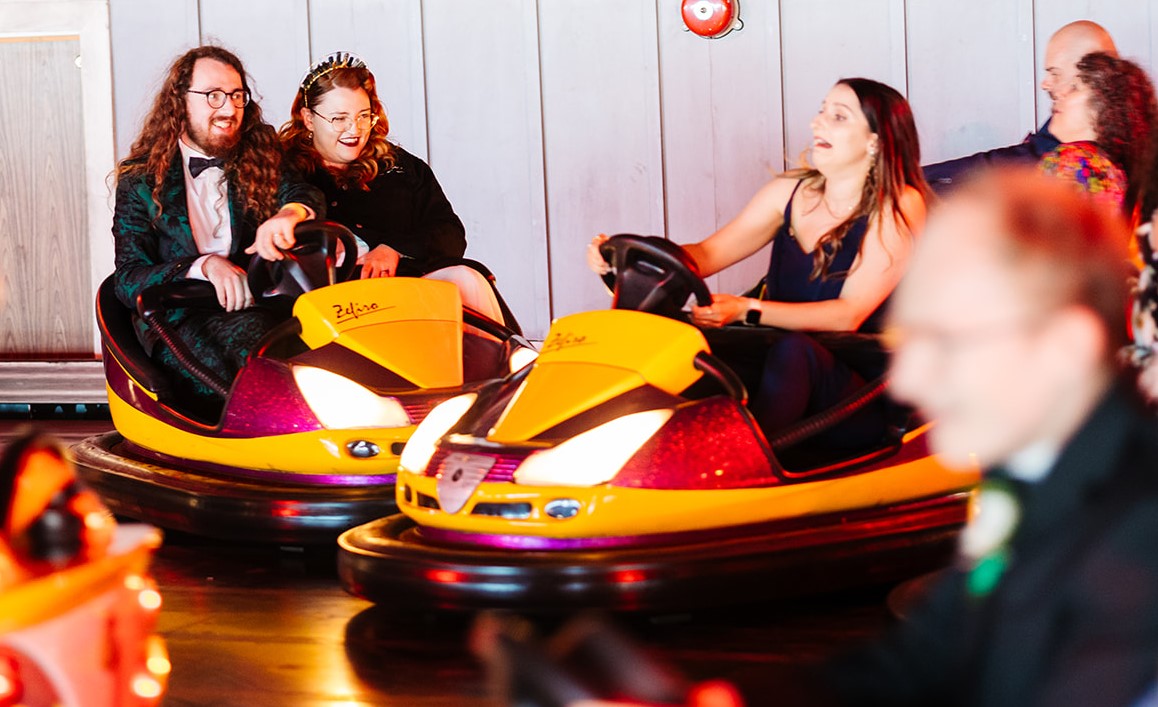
(1007, 327)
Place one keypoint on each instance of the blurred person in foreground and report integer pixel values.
(1006, 333)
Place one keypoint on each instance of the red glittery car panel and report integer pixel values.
(709, 444)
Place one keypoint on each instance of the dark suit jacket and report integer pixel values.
(1073, 621)
(151, 250)
(942, 175)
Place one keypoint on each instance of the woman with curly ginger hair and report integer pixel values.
(1104, 121)
(201, 182)
(337, 139)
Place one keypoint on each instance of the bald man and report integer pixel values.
(1007, 325)
(1068, 45)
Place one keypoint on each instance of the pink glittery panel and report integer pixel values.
(709, 444)
(265, 401)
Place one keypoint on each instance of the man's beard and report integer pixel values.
(214, 144)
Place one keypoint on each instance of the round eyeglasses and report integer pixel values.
(216, 98)
(342, 123)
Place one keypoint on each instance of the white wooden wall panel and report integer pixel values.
(1132, 23)
(486, 145)
(551, 120)
(387, 34)
(969, 95)
(601, 133)
(272, 39)
(722, 126)
(823, 41)
(88, 20)
(146, 37)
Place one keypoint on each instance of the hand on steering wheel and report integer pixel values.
(278, 233)
(595, 259)
(723, 310)
(311, 263)
(652, 274)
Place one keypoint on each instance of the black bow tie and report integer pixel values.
(197, 165)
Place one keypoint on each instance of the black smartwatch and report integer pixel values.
(752, 318)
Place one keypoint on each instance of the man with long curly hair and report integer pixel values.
(202, 179)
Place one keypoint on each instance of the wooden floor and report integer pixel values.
(261, 625)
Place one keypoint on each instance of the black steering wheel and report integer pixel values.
(652, 274)
(311, 263)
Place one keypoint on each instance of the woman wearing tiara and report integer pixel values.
(336, 139)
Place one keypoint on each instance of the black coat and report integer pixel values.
(404, 208)
(942, 175)
(152, 249)
(1073, 620)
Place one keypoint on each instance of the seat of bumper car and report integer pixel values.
(117, 325)
(803, 448)
(118, 333)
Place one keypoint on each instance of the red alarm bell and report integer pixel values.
(712, 18)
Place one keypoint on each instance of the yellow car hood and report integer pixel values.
(590, 358)
(371, 316)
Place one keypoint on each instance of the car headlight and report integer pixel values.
(339, 403)
(521, 357)
(421, 445)
(595, 456)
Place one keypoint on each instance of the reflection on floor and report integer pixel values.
(259, 625)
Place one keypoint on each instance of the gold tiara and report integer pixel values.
(337, 60)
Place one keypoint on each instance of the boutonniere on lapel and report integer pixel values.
(984, 543)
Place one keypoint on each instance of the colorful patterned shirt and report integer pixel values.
(1088, 167)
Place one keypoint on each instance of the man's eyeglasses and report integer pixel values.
(947, 342)
(216, 98)
(342, 123)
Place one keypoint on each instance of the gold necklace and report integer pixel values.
(828, 208)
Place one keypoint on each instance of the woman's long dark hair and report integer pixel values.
(897, 165)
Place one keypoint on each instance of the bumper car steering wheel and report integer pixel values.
(311, 263)
(652, 274)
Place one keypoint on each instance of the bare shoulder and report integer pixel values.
(774, 196)
(911, 205)
(912, 202)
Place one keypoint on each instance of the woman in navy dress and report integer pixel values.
(841, 232)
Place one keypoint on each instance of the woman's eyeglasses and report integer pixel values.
(342, 123)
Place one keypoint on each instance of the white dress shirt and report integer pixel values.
(207, 198)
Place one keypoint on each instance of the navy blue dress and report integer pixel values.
(790, 267)
(791, 375)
